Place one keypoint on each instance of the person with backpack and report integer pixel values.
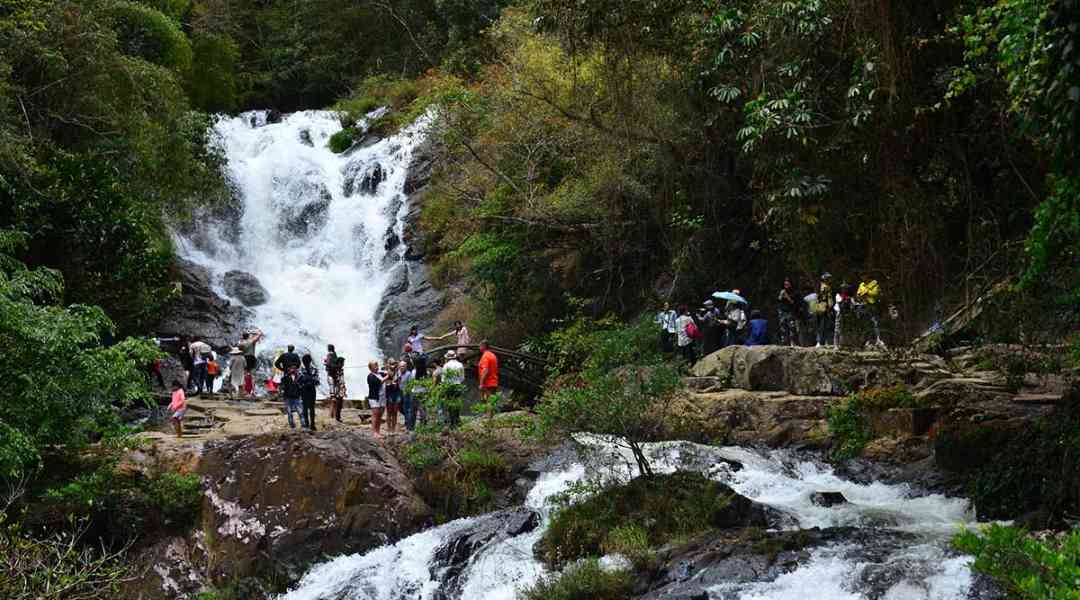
(309, 383)
(787, 312)
(290, 391)
(687, 332)
(844, 309)
(200, 356)
(759, 329)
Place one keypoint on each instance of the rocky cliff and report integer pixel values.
(411, 299)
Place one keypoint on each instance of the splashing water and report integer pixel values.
(911, 561)
(313, 229)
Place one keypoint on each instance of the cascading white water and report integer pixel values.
(918, 567)
(313, 229)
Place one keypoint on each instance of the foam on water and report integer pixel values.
(327, 272)
(917, 565)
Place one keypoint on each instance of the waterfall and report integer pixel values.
(902, 554)
(314, 227)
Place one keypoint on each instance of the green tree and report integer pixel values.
(65, 387)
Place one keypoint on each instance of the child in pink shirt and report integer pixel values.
(178, 407)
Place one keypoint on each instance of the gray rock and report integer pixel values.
(200, 311)
(305, 138)
(828, 499)
(523, 522)
(246, 288)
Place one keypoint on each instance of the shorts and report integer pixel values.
(376, 402)
(179, 414)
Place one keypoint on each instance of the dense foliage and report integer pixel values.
(1026, 567)
(586, 580)
(64, 386)
(621, 151)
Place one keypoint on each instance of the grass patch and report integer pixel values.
(849, 428)
(1027, 568)
(585, 580)
(631, 518)
(457, 472)
(343, 140)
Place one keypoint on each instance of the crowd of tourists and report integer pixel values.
(395, 387)
(727, 319)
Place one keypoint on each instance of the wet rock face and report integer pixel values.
(286, 499)
(246, 288)
(412, 300)
(452, 558)
(199, 311)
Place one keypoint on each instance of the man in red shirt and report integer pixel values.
(489, 371)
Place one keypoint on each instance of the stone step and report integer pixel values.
(704, 384)
(1037, 398)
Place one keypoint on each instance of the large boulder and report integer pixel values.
(284, 499)
(745, 417)
(813, 371)
(200, 311)
(246, 288)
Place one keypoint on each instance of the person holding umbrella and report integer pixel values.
(734, 316)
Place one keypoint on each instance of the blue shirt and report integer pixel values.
(759, 333)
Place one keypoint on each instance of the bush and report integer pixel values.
(343, 140)
(586, 580)
(457, 471)
(1027, 568)
(848, 427)
(178, 497)
(644, 513)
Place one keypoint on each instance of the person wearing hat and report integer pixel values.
(237, 365)
(453, 372)
(823, 311)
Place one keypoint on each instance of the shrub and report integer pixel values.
(1027, 568)
(178, 497)
(848, 427)
(644, 513)
(632, 541)
(342, 140)
(883, 398)
(586, 580)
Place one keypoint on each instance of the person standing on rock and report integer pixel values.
(759, 329)
(288, 360)
(200, 354)
(418, 360)
(415, 340)
(309, 383)
(186, 362)
(866, 299)
(823, 312)
(237, 366)
(376, 399)
(392, 387)
(453, 374)
(408, 399)
(290, 391)
(684, 327)
(459, 330)
(213, 369)
(488, 369)
(665, 320)
(247, 347)
(178, 407)
(844, 309)
(787, 312)
(338, 390)
(736, 323)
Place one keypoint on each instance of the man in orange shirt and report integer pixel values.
(489, 371)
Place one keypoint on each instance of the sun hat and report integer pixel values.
(450, 355)
(235, 350)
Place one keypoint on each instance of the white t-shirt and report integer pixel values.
(680, 329)
(666, 319)
(417, 342)
(453, 372)
(463, 336)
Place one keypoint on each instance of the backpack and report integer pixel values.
(309, 378)
(692, 331)
(212, 367)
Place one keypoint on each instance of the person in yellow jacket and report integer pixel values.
(866, 298)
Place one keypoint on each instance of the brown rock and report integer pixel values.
(291, 498)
